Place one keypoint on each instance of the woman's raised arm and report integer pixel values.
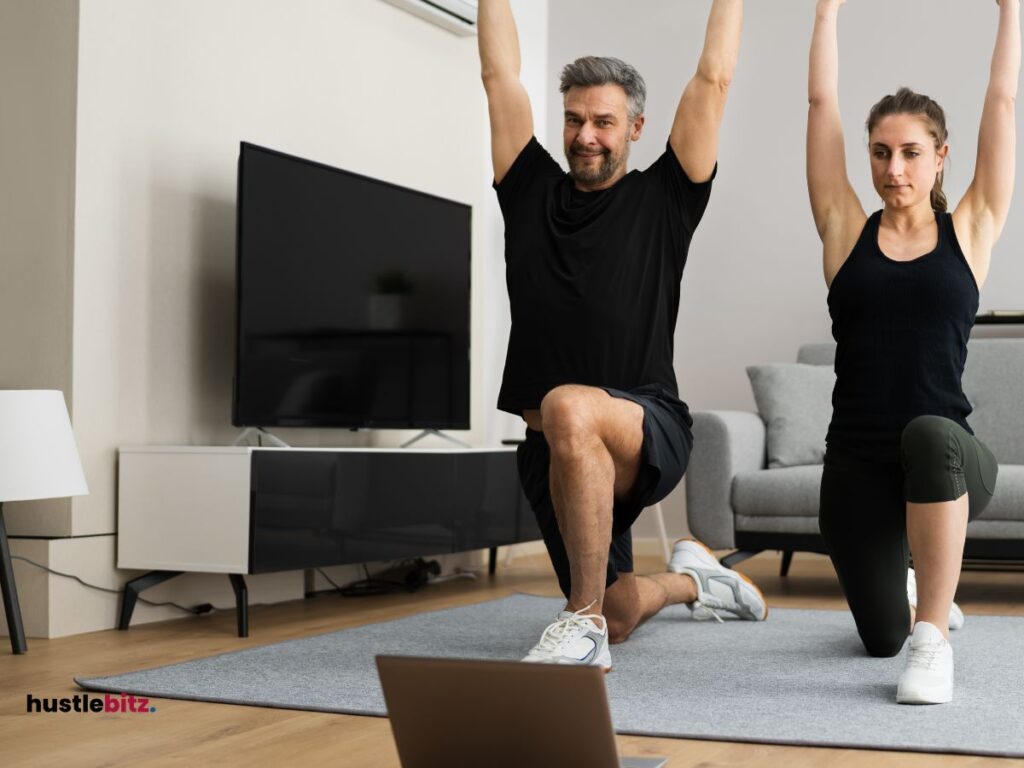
(838, 214)
(981, 215)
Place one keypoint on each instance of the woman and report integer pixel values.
(902, 464)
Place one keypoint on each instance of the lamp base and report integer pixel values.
(10, 592)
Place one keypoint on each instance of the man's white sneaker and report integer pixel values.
(573, 638)
(718, 588)
(956, 616)
(928, 677)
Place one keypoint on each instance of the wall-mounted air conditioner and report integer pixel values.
(458, 16)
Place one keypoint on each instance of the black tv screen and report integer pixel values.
(352, 300)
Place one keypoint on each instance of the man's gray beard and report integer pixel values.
(600, 175)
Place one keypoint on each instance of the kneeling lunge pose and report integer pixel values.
(903, 466)
(594, 260)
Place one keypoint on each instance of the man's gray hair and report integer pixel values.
(602, 70)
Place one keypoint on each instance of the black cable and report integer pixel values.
(375, 585)
(199, 609)
(93, 586)
(321, 572)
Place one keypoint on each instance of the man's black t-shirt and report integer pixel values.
(593, 277)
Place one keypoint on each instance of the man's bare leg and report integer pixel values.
(595, 441)
(632, 600)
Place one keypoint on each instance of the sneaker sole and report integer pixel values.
(926, 696)
(602, 667)
(743, 576)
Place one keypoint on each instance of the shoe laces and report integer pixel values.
(701, 612)
(564, 629)
(925, 656)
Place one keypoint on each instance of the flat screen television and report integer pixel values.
(353, 300)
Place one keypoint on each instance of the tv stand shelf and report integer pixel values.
(246, 510)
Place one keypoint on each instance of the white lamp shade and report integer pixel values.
(38, 458)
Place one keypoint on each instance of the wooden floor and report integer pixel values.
(183, 733)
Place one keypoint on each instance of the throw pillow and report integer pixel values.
(795, 402)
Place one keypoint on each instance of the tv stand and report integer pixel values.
(438, 433)
(260, 434)
(246, 510)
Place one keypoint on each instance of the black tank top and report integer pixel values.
(901, 330)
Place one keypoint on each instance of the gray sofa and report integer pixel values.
(734, 501)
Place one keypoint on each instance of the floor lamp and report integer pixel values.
(38, 460)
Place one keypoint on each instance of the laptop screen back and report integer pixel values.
(456, 712)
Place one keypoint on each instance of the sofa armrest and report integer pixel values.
(725, 443)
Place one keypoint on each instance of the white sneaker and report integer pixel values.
(718, 588)
(956, 616)
(928, 677)
(574, 638)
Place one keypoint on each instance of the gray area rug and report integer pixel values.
(801, 677)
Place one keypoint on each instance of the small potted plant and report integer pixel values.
(388, 301)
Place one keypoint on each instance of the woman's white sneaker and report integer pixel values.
(928, 676)
(956, 616)
(573, 638)
(718, 588)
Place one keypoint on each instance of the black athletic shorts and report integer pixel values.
(664, 456)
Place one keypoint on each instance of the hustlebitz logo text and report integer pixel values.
(107, 703)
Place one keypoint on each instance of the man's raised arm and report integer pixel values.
(694, 136)
(507, 102)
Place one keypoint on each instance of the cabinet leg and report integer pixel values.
(492, 560)
(134, 588)
(241, 603)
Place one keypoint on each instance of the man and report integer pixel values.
(594, 260)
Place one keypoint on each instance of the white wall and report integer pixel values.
(38, 61)
(166, 91)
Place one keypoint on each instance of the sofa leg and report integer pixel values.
(787, 559)
(739, 556)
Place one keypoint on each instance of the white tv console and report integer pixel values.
(246, 510)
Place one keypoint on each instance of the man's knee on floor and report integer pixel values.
(621, 608)
(620, 626)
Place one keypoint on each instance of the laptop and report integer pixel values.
(467, 713)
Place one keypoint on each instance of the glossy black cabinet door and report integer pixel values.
(492, 509)
(318, 508)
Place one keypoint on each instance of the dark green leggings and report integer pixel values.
(863, 517)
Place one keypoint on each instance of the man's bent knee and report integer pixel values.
(566, 416)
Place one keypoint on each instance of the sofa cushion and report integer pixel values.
(785, 492)
(794, 492)
(795, 401)
(994, 385)
(1008, 500)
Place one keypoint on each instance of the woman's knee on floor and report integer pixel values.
(884, 639)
